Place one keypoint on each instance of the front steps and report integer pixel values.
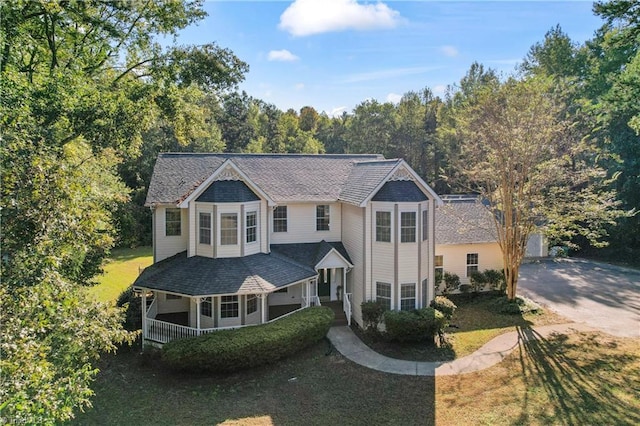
(336, 306)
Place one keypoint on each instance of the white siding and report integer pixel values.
(166, 306)
(382, 265)
(255, 247)
(205, 250)
(353, 240)
(291, 297)
(167, 246)
(455, 257)
(301, 225)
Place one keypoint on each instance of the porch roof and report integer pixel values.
(310, 254)
(203, 276)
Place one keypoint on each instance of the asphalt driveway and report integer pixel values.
(602, 296)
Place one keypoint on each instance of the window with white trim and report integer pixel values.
(228, 229)
(383, 294)
(172, 222)
(425, 225)
(407, 297)
(252, 303)
(322, 218)
(280, 219)
(205, 228)
(251, 227)
(472, 263)
(383, 227)
(408, 227)
(205, 307)
(229, 307)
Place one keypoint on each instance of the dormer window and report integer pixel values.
(172, 222)
(322, 218)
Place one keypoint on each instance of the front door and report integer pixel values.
(324, 283)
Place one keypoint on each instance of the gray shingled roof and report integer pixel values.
(364, 178)
(310, 254)
(228, 191)
(400, 191)
(283, 177)
(464, 220)
(203, 276)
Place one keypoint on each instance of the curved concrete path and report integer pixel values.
(494, 351)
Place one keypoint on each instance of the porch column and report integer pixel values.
(265, 309)
(144, 314)
(344, 282)
(198, 299)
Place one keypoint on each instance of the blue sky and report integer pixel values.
(334, 54)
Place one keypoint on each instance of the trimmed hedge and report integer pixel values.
(231, 350)
(414, 326)
(518, 306)
(133, 304)
(444, 305)
(372, 312)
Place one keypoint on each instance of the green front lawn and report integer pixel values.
(120, 271)
(576, 379)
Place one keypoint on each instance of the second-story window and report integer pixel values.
(280, 219)
(425, 225)
(228, 229)
(205, 228)
(383, 226)
(408, 227)
(322, 218)
(252, 227)
(172, 222)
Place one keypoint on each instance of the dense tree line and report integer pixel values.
(89, 98)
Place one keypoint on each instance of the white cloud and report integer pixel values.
(394, 98)
(299, 86)
(337, 111)
(307, 17)
(449, 51)
(282, 55)
(439, 89)
(386, 74)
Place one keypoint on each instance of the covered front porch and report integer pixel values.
(170, 316)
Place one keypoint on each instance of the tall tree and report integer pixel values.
(518, 154)
(81, 83)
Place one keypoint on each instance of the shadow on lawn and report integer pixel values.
(583, 385)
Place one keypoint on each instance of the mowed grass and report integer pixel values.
(474, 323)
(576, 379)
(120, 271)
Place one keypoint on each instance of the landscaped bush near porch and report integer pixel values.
(414, 326)
(231, 350)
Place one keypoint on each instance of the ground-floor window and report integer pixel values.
(205, 307)
(229, 307)
(407, 297)
(383, 294)
(472, 263)
(252, 303)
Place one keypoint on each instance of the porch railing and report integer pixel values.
(152, 310)
(163, 332)
(346, 307)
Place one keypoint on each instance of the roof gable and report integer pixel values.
(400, 191)
(228, 191)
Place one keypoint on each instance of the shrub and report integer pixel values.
(464, 288)
(478, 281)
(451, 282)
(444, 305)
(518, 306)
(231, 350)
(133, 304)
(414, 326)
(495, 279)
(372, 312)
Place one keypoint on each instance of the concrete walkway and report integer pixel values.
(494, 351)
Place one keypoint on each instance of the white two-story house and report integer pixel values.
(242, 239)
